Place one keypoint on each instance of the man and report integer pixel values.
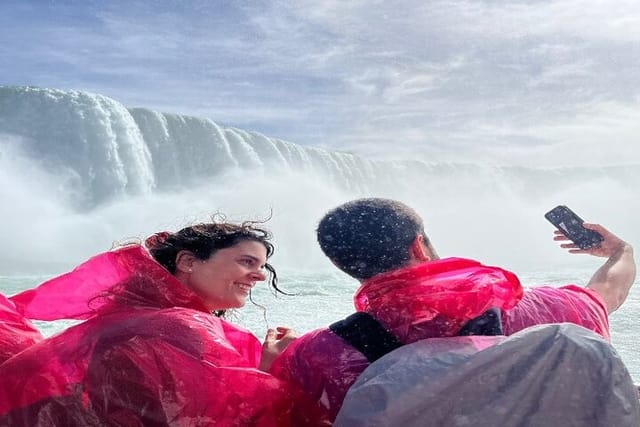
(408, 294)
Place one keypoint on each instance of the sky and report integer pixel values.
(553, 82)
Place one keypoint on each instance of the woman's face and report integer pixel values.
(225, 279)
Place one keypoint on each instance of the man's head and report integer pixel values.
(366, 237)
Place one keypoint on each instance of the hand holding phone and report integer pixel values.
(570, 225)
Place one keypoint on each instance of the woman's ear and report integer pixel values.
(185, 261)
(419, 251)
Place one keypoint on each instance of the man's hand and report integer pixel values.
(613, 280)
(608, 247)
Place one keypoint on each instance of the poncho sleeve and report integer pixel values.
(16, 332)
(567, 304)
(156, 383)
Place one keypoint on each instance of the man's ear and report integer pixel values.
(419, 250)
(185, 261)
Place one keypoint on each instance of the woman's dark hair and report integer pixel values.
(203, 240)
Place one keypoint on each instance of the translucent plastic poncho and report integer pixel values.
(547, 375)
(16, 332)
(149, 354)
(431, 300)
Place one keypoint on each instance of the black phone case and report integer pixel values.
(570, 224)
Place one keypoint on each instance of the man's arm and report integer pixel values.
(613, 280)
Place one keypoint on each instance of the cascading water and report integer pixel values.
(81, 170)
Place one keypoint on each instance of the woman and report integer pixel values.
(151, 353)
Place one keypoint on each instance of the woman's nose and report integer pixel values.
(258, 276)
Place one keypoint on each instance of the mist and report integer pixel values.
(81, 172)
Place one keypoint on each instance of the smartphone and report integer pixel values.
(570, 224)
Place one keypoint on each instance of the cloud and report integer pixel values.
(439, 79)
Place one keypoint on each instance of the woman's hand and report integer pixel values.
(275, 342)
